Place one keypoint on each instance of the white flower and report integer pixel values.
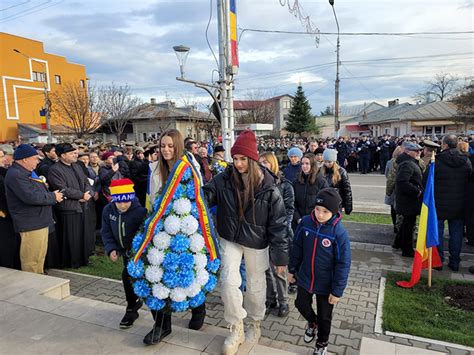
(172, 224)
(189, 225)
(182, 206)
(194, 289)
(160, 291)
(153, 273)
(202, 277)
(200, 260)
(155, 256)
(178, 294)
(162, 240)
(197, 243)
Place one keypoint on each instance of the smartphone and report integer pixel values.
(114, 161)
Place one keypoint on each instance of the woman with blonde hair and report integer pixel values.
(277, 284)
(336, 176)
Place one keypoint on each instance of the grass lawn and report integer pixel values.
(102, 266)
(424, 312)
(375, 218)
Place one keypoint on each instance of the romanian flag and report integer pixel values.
(427, 234)
(148, 198)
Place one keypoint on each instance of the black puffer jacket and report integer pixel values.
(270, 217)
(343, 186)
(305, 196)
(286, 191)
(452, 172)
(408, 186)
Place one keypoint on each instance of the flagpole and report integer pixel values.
(430, 250)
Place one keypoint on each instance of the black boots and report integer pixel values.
(131, 315)
(197, 319)
(161, 329)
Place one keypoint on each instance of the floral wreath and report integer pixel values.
(175, 258)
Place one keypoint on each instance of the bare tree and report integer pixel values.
(440, 88)
(465, 105)
(118, 107)
(77, 108)
(260, 108)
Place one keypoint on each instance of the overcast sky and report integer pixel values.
(131, 42)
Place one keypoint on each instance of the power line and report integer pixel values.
(29, 12)
(11, 7)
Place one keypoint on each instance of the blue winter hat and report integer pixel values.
(24, 151)
(295, 152)
(330, 155)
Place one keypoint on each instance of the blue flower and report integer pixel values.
(154, 303)
(179, 306)
(187, 174)
(197, 300)
(170, 279)
(186, 261)
(136, 270)
(168, 210)
(137, 242)
(211, 284)
(180, 191)
(185, 278)
(159, 226)
(141, 288)
(170, 263)
(190, 193)
(179, 243)
(194, 210)
(213, 265)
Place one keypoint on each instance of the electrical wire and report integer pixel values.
(11, 7)
(207, 31)
(28, 12)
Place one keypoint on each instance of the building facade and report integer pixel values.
(27, 72)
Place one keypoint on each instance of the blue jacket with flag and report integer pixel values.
(321, 256)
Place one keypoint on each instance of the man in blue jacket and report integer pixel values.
(29, 202)
(121, 220)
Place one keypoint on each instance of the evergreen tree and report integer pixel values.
(300, 120)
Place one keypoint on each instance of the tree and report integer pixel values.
(300, 120)
(327, 112)
(77, 108)
(440, 88)
(260, 110)
(118, 107)
(465, 105)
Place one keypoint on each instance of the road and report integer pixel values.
(368, 193)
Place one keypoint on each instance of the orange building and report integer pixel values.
(26, 72)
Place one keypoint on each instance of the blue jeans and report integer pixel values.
(455, 240)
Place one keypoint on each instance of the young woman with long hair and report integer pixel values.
(251, 221)
(277, 284)
(336, 176)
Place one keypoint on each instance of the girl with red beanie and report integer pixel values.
(251, 220)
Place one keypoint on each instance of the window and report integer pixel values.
(57, 79)
(429, 130)
(38, 76)
(439, 129)
(396, 131)
(286, 104)
(82, 83)
(386, 130)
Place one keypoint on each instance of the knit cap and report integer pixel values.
(295, 152)
(246, 144)
(329, 198)
(24, 151)
(122, 190)
(330, 155)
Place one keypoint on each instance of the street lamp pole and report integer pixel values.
(46, 97)
(336, 85)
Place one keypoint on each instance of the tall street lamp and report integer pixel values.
(46, 97)
(182, 54)
(336, 86)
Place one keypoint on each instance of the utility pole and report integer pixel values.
(336, 85)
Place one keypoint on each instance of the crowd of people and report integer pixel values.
(277, 209)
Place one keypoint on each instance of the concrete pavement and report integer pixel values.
(368, 192)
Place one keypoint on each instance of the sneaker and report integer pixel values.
(253, 333)
(131, 315)
(310, 332)
(284, 310)
(233, 341)
(320, 349)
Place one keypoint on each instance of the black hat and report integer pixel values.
(218, 149)
(329, 198)
(319, 150)
(62, 148)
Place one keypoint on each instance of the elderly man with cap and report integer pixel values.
(294, 166)
(29, 203)
(66, 175)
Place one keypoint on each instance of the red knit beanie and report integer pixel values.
(246, 144)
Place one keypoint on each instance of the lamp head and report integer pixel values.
(182, 54)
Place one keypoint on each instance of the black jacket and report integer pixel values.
(43, 167)
(344, 189)
(29, 201)
(106, 175)
(305, 197)
(408, 186)
(269, 228)
(286, 191)
(342, 150)
(452, 173)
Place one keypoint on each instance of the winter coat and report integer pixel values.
(291, 172)
(72, 180)
(343, 186)
(470, 193)
(408, 186)
(363, 148)
(106, 175)
(342, 150)
(139, 175)
(43, 167)
(452, 173)
(321, 256)
(118, 229)
(29, 201)
(391, 175)
(305, 196)
(270, 227)
(286, 191)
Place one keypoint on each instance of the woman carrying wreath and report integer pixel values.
(173, 265)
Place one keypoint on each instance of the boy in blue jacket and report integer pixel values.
(121, 220)
(321, 260)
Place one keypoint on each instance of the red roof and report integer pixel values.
(357, 128)
(253, 104)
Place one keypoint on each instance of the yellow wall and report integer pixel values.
(15, 73)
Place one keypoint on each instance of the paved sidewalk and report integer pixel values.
(354, 316)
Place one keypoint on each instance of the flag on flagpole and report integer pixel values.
(210, 147)
(427, 234)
